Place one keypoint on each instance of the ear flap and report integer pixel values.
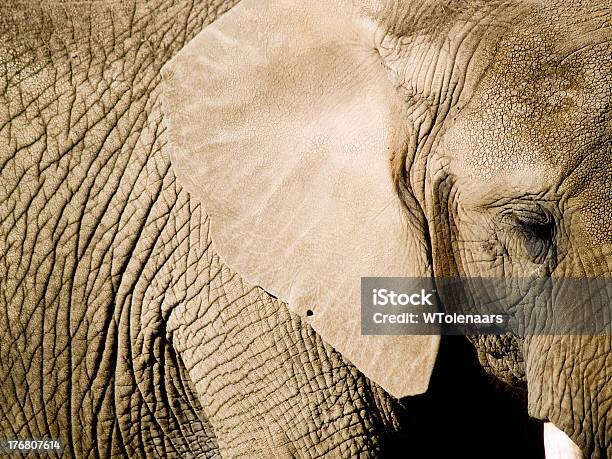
(283, 123)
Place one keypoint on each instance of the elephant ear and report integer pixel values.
(283, 123)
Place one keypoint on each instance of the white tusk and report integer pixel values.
(558, 445)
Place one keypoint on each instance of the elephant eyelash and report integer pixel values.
(535, 222)
(541, 228)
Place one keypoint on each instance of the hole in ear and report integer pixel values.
(309, 313)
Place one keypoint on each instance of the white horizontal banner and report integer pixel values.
(485, 305)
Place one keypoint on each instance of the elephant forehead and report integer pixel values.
(542, 105)
(539, 120)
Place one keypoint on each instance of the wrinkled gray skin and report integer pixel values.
(99, 245)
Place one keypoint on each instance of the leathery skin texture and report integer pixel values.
(122, 333)
(96, 236)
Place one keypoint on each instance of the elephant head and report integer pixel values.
(331, 140)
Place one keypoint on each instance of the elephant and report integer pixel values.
(191, 192)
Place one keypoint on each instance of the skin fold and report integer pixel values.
(124, 333)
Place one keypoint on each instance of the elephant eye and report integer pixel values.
(536, 231)
(540, 226)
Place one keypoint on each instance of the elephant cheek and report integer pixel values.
(558, 445)
(569, 385)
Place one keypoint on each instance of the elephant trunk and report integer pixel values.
(569, 385)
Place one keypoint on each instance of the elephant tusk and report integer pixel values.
(558, 445)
